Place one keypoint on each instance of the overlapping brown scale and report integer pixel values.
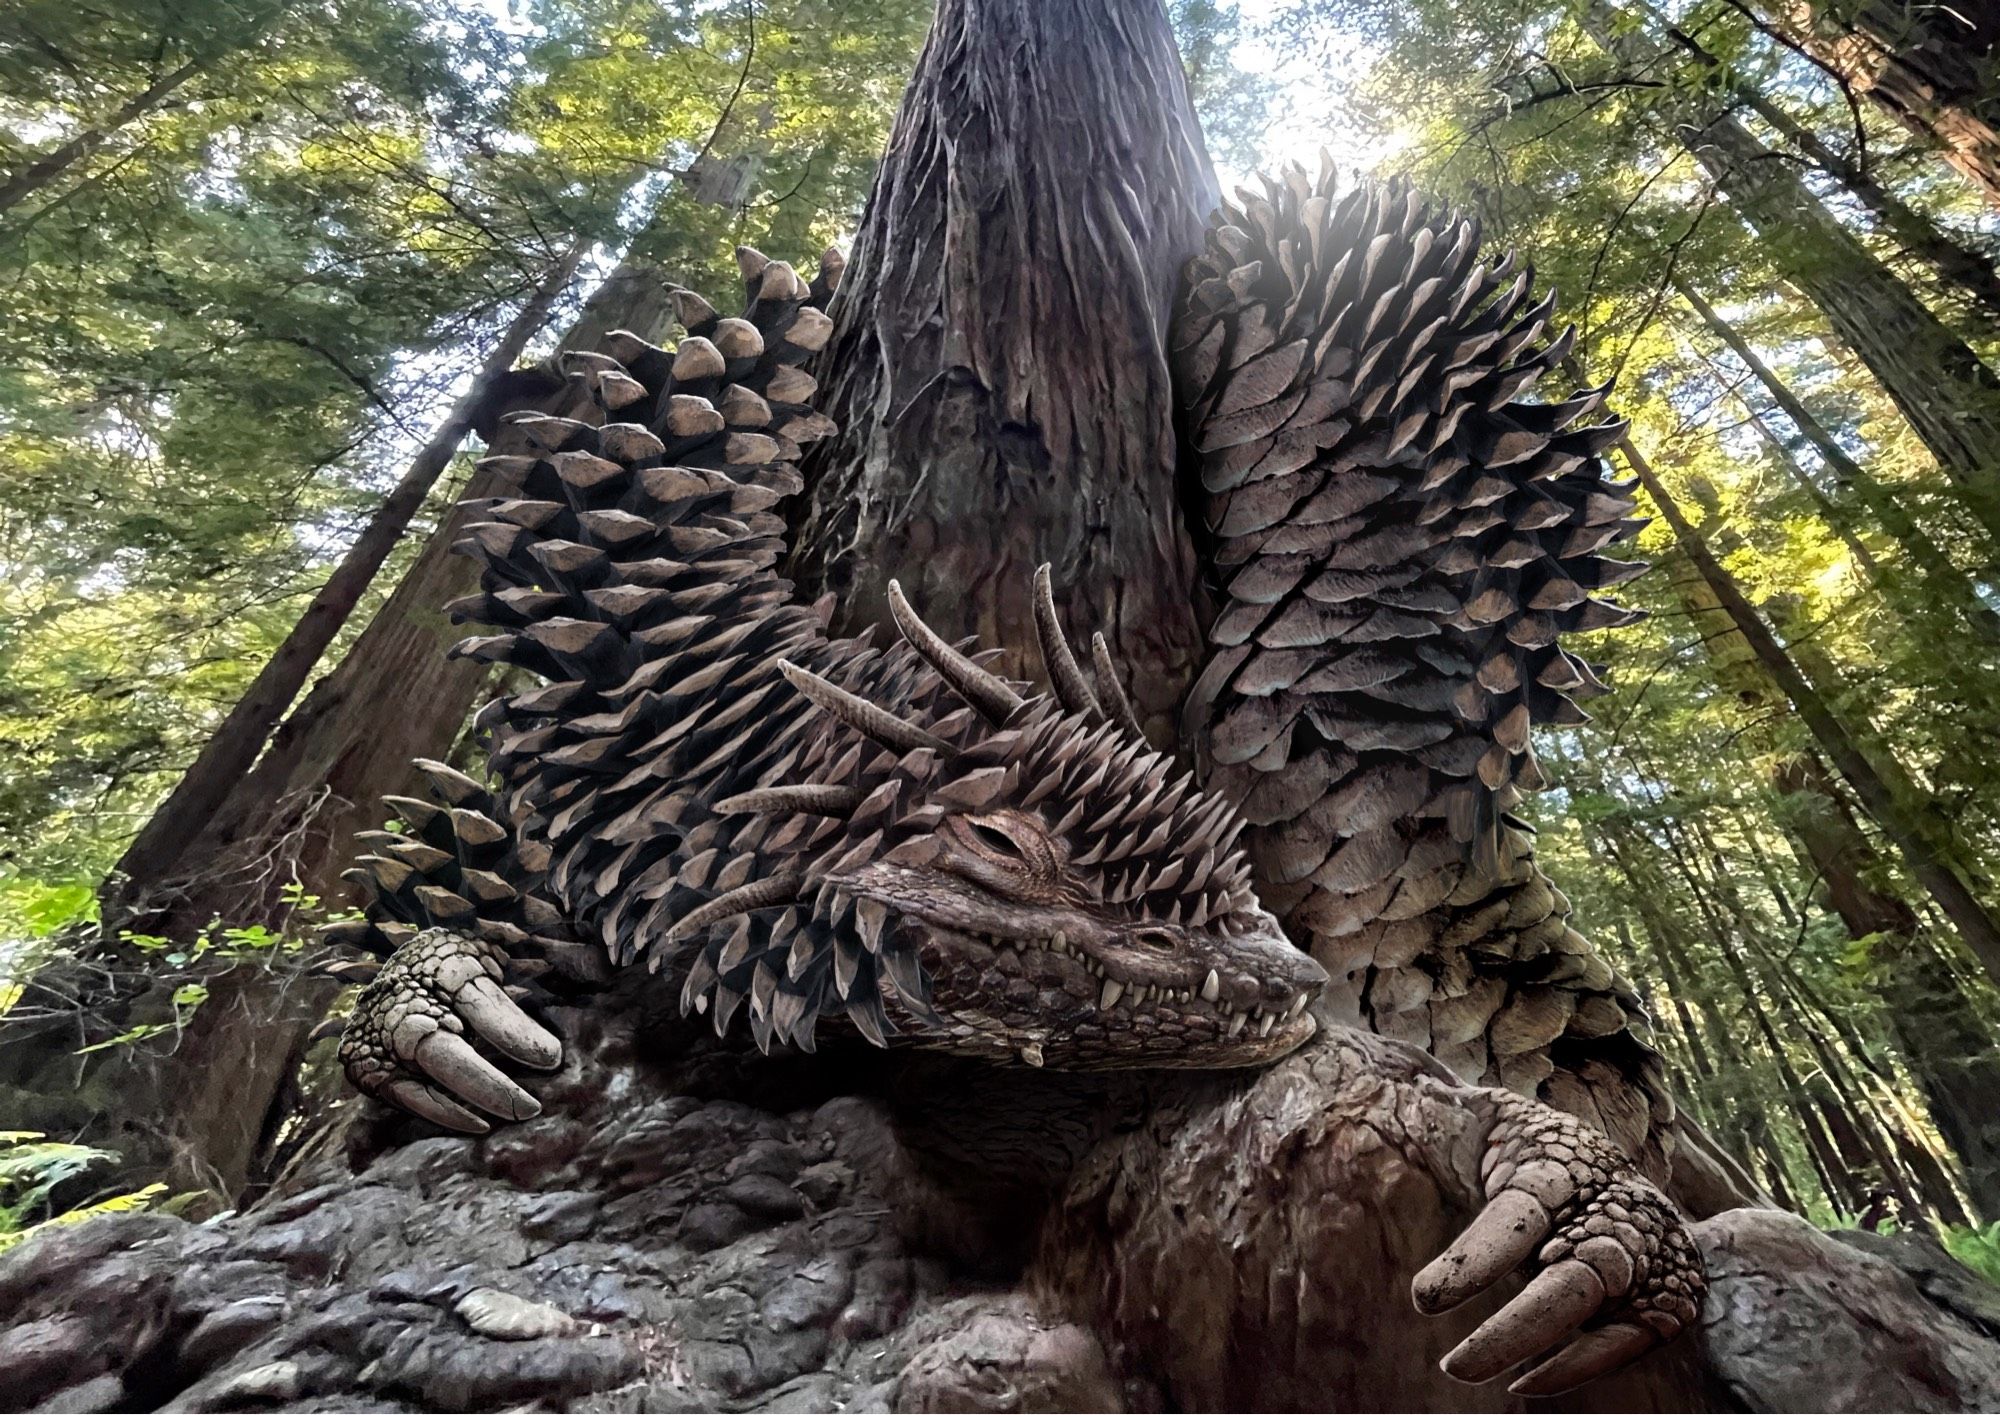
(454, 861)
(1401, 545)
(630, 566)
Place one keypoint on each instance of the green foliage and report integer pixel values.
(32, 1165)
(224, 331)
(1977, 1248)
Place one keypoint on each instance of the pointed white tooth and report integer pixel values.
(1113, 990)
(1298, 1006)
(1212, 989)
(1264, 1027)
(1060, 941)
(1032, 1053)
(1236, 1023)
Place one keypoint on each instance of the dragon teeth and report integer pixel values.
(1236, 1025)
(1212, 988)
(1264, 1027)
(1298, 1006)
(1113, 990)
(1032, 1053)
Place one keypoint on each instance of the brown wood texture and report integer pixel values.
(999, 363)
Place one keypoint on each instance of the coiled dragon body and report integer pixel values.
(806, 828)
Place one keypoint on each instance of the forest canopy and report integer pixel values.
(252, 256)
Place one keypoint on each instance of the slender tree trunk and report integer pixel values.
(1750, 1125)
(1949, 398)
(1838, 518)
(1967, 270)
(147, 871)
(1923, 555)
(200, 1101)
(394, 695)
(1929, 66)
(999, 358)
(1726, 933)
(45, 169)
(1886, 795)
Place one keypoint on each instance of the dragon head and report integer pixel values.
(1021, 878)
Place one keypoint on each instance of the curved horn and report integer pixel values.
(1117, 706)
(810, 797)
(758, 894)
(994, 699)
(1072, 689)
(860, 714)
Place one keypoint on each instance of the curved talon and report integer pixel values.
(424, 1102)
(449, 1059)
(488, 1010)
(407, 1044)
(1556, 1303)
(1504, 1236)
(1593, 1354)
(1608, 1250)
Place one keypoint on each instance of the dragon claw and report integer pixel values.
(406, 1041)
(1615, 1273)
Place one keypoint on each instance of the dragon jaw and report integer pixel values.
(1019, 878)
(1070, 981)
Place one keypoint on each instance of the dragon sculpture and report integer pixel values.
(902, 844)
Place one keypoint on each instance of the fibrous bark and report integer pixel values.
(998, 367)
(1930, 67)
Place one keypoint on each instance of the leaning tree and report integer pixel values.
(1145, 1152)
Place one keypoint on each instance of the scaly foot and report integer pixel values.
(1614, 1266)
(406, 1044)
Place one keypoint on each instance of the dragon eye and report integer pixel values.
(997, 841)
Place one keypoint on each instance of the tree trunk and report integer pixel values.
(1950, 399)
(394, 696)
(146, 874)
(198, 1100)
(999, 363)
(1923, 554)
(710, 1228)
(1928, 66)
(1968, 270)
(1748, 1124)
(1892, 800)
(1938, 1028)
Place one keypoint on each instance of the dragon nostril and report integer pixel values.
(1156, 938)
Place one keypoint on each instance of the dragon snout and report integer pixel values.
(1298, 974)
